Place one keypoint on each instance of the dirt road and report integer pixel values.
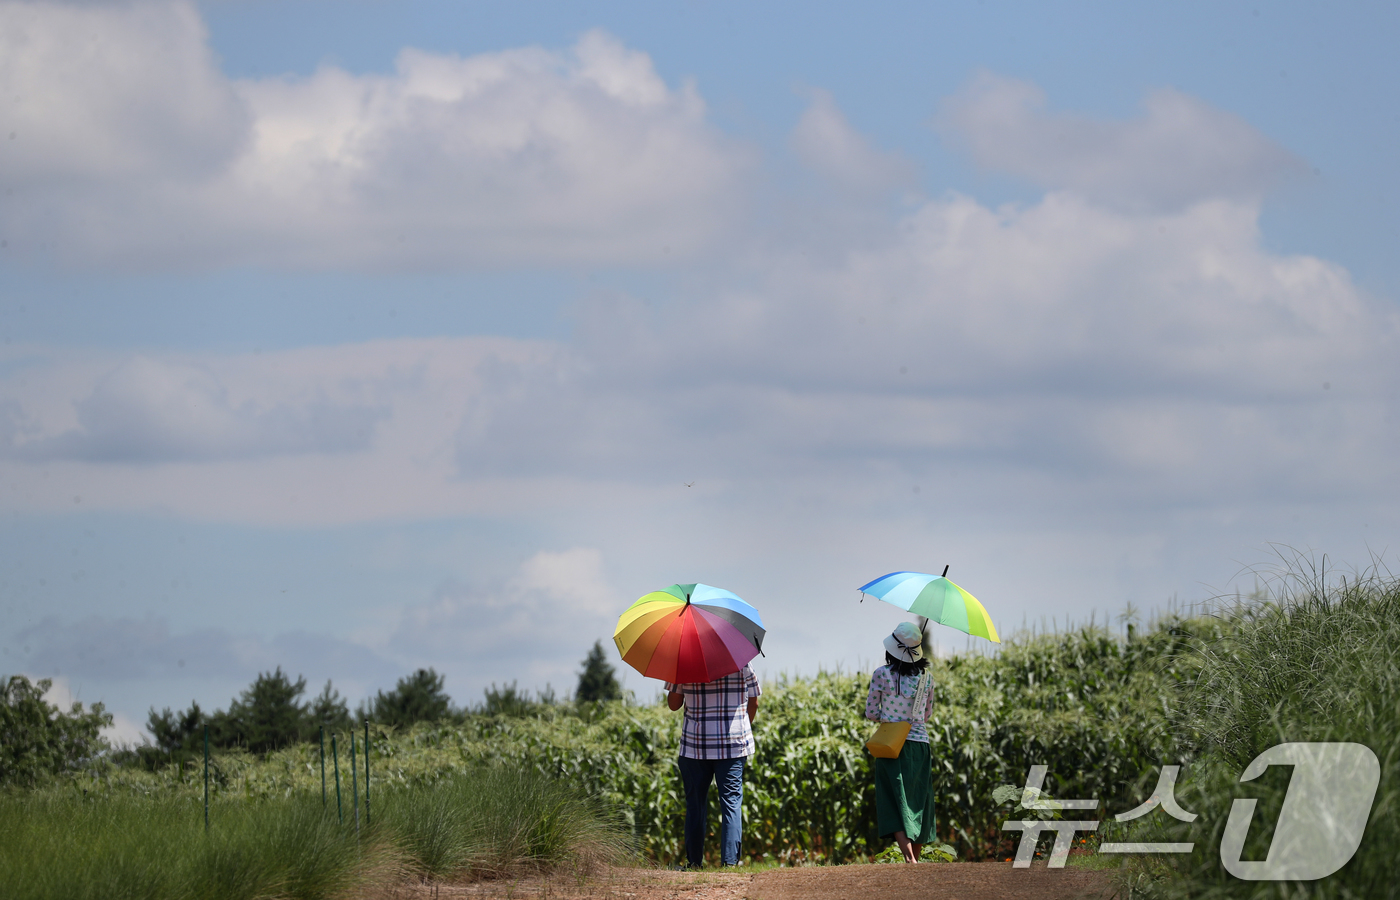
(951, 881)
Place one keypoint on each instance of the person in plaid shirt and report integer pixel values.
(716, 738)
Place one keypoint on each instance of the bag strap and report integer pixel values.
(921, 692)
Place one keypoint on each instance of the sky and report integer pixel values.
(355, 337)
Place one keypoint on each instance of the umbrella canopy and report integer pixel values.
(689, 633)
(936, 599)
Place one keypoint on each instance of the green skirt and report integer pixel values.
(904, 794)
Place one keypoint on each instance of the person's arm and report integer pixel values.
(753, 709)
(675, 700)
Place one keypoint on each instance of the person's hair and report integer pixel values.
(901, 667)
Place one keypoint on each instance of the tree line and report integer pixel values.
(38, 740)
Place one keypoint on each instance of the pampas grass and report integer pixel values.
(65, 845)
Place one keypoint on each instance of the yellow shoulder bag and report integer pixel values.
(888, 739)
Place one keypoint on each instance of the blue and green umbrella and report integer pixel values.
(935, 598)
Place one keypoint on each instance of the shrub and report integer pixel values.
(37, 739)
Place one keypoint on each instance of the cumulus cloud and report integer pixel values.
(101, 92)
(123, 731)
(540, 621)
(308, 435)
(1077, 378)
(1180, 151)
(824, 141)
(1066, 338)
(133, 150)
(150, 410)
(1071, 340)
(571, 577)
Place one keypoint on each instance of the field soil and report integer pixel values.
(949, 881)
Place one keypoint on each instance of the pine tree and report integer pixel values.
(416, 698)
(178, 736)
(266, 716)
(508, 700)
(598, 680)
(329, 709)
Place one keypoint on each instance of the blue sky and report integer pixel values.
(360, 336)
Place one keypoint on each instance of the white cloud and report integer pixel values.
(289, 466)
(571, 577)
(825, 141)
(131, 150)
(1182, 150)
(1153, 356)
(149, 410)
(1168, 352)
(125, 731)
(122, 732)
(1082, 389)
(102, 92)
(537, 623)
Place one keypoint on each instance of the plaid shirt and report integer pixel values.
(716, 716)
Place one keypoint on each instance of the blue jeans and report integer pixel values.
(696, 775)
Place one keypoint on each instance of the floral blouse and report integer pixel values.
(892, 700)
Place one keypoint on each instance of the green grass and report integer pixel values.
(1096, 862)
(489, 822)
(500, 821)
(71, 847)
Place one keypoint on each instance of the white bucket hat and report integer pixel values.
(903, 644)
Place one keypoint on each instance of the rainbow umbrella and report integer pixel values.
(689, 633)
(935, 598)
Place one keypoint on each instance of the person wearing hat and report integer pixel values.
(901, 691)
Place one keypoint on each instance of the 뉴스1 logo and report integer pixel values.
(1323, 817)
(1319, 827)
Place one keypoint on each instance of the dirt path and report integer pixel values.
(963, 881)
(952, 881)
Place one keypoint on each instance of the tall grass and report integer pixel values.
(66, 845)
(500, 821)
(72, 847)
(1319, 661)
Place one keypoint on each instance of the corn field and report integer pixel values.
(1087, 704)
(1318, 662)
